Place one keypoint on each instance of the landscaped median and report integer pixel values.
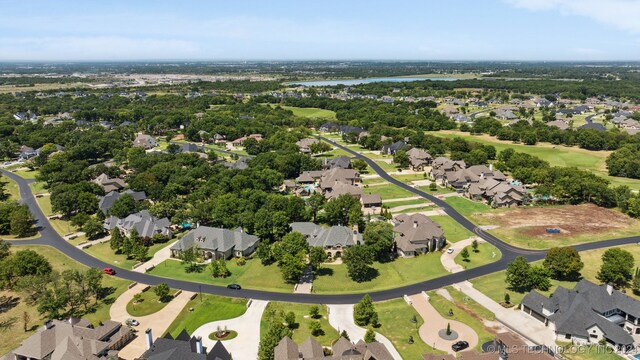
(277, 311)
(486, 254)
(203, 309)
(148, 302)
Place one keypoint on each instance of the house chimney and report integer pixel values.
(149, 337)
(415, 224)
(491, 167)
(48, 324)
(609, 289)
(199, 347)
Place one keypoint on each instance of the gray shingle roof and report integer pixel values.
(216, 239)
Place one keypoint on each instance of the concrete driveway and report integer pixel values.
(448, 260)
(434, 322)
(158, 322)
(341, 318)
(515, 319)
(245, 345)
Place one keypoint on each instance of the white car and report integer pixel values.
(132, 322)
(450, 251)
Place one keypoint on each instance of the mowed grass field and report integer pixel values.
(313, 113)
(204, 309)
(494, 286)
(556, 155)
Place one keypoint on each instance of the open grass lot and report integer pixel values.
(386, 166)
(103, 252)
(149, 303)
(395, 320)
(443, 305)
(25, 173)
(301, 333)
(402, 271)
(408, 178)
(452, 230)
(525, 227)
(467, 207)
(313, 113)
(40, 87)
(470, 305)
(11, 188)
(389, 191)
(556, 155)
(253, 275)
(205, 310)
(393, 204)
(486, 254)
(59, 262)
(413, 210)
(493, 285)
(375, 180)
(439, 190)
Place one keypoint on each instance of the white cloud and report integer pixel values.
(622, 14)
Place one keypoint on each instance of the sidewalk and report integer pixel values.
(158, 322)
(341, 318)
(513, 318)
(434, 322)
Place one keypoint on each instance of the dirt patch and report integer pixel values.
(570, 220)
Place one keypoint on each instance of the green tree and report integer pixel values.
(539, 278)
(617, 267)
(518, 272)
(117, 240)
(292, 266)
(291, 243)
(564, 263)
(433, 186)
(290, 319)
(140, 252)
(93, 280)
(358, 260)
(317, 256)
(219, 268)
(320, 147)
(314, 312)
(5, 249)
(316, 328)
(123, 206)
(263, 252)
(474, 245)
(93, 229)
(343, 210)
(344, 334)
(190, 257)
(401, 159)
(507, 298)
(162, 291)
(465, 254)
(359, 164)
(22, 222)
(315, 203)
(269, 341)
(370, 336)
(635, 284)
(364, 311)
(379, 237)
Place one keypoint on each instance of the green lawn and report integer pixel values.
(486, 254)
(493, 285)
(469, 304)
(385, 166)
(393, 204)
(439, 190)
(467, 207)
(556, 155)
(11, 188)
(413, 210)
(38, 187)
(443, 305)
(253, 275)
(26, 173)
(408, 178)
(376, 180)
(149, 304)
(300, 333)
(402, 271)
(59, 262)
(209, 308)
(452, 230)
(395, 320)
(104, 253)
(389, 191)
(313, 113)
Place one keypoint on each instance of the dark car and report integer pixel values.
(109, 271)
(460, 345)
(237, 287)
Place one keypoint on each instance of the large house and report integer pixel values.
(462, 178)
(287, 349)
(334, 239)
(418, 159)
(417, 234)
(73, 339)
(143, 222)
(182, 347)
(106, 202)
(498, 193)
(343, 162)
(241, 140)
(305, 144)
(216, 243)
(587, 314)
(145, 141)
(392, 149)
(441, 167)
(109, 184)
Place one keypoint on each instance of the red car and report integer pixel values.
(109, 271)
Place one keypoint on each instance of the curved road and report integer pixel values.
(50, 237)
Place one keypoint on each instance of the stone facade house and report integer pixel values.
(334, 239)
(145, 224)
(145, 141)
(418, 159)
(287, 349)
(216, 243)
(305, 144)
(417, 234)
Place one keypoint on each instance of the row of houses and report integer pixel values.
(287, 349)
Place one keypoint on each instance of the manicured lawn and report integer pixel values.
(376, 180)
(103, 252)
(14, 334)
(556, 155)
(413, 210)
(45, 205)
(469, 304)
(395, 320)
(402, 271)
(313, 113)
(452, 230)
(486, 254)
(38, 187)
(150, 303)
(209, 308)
(253, 275)
(393, 204)
(389, 191)
(300, 333)
(408, 178)
(439, 190)
(467, 207)
(385, 166)
(11, 188)
(443, 305)
(336, 152)
(26, 173)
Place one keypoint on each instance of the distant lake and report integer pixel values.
(349, 82)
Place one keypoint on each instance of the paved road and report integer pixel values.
(50, 237)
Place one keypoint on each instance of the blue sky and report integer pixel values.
(324, 29)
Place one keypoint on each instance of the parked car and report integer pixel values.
(460, 345)
(109, 271)
(450, 251)
(234, 286)
(132, 322)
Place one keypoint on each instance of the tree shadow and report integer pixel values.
(324, 271)
(8, 302)
(371, 274)
(7, 323)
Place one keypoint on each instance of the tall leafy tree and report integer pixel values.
(358, 260)
(617, 267)
(564, 263)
